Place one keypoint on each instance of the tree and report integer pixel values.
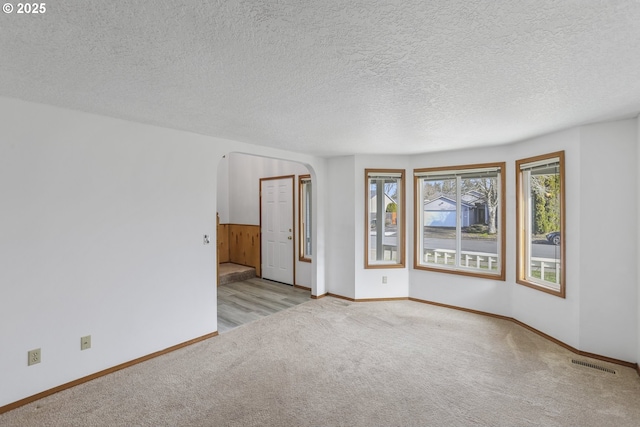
(488, 188)
(545, 192)
(391, 190)
(434, 189)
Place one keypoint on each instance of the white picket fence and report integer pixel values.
(488, 261)
(544, 265)
(480, 260)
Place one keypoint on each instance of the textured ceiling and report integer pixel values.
(333, 77)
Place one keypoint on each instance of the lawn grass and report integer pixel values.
(474, 232)
(549, 276)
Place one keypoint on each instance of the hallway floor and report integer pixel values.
(249, 300)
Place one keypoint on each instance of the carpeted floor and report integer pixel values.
(330, 362)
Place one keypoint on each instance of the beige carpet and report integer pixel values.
(329, 362)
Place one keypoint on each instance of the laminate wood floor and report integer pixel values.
(244, 302)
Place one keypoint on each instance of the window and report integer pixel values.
(384, 218)
(540, 223)
(460, 220)
(304, 217)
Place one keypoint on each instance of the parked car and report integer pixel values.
(554, 237)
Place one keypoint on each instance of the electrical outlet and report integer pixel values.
(384, 279)
(85, 342)
(34, 356)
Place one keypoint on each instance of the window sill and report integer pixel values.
(497, 276)
(558, 293)
(379, 266)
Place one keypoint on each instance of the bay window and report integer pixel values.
(540, 223)
(384, 218)
(459, 218)
(304, 216)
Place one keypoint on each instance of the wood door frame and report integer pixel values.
(299, 222)
(293, 220)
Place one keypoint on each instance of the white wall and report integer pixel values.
(368, 282)
(245, 172)
(101, 234)
(341, 226)
(608, 239)
(222, 199)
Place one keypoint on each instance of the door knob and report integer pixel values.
(289, 237)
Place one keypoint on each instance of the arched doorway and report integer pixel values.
(241, 254)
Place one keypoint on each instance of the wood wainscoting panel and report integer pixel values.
(244, 245)
(223, 243)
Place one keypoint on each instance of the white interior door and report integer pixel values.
(277, 229)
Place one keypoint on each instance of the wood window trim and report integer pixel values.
(521, 269)
(502, 217)
(301, 253)
(402, 217)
